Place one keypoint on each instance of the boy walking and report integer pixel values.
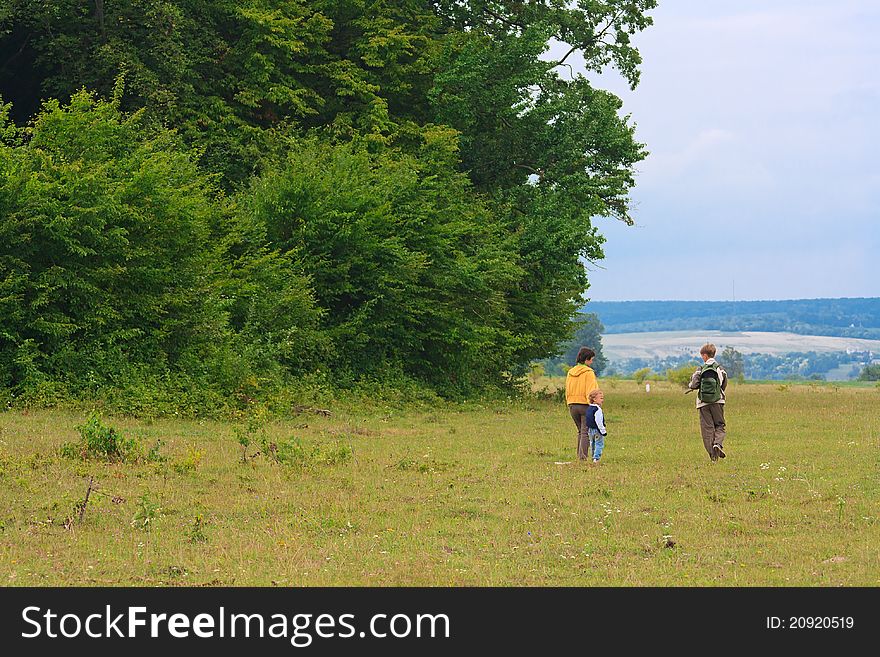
(579, 383)
(710, 382)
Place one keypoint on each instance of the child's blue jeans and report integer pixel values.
(597, 443)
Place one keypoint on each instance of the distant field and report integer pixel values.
(483, 494)
(618, 346)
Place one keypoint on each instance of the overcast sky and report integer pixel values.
(762, 123)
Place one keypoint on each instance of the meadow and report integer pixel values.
(460, 495)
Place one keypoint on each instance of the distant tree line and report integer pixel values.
(853, 318)
(208, 202)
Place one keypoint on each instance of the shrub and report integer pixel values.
(125, 278)
(146, 513)
(870, 373)
(297, 454)
(642, 374)
(104, 254)
(99, 441)
(253, 431)
(680, 376)
(190, 462)
(409, 269)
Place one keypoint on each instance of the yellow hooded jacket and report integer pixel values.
(580, 380)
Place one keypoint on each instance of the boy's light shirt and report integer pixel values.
(600, 420)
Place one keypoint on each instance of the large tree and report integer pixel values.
(551, 151)
(588, 333)
(227, 73)
(415, 180)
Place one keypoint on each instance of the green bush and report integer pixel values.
(409, 269)
(870, 373)
(642, 374)
(126, 280)
(104, 253)
(99, 441)
(295, 453)
(680, 376)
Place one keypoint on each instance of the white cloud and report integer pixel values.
(706, 144)
(761, 124)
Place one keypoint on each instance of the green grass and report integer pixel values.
(470, 495)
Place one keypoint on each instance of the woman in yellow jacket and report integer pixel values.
(579, 382)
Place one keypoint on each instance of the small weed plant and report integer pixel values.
(253, 431)
(190, 462)
(153, 456)
(295, 453)
(197, 530)
(101, 442)
(146, 513)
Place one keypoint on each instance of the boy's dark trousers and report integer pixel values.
(712, 426)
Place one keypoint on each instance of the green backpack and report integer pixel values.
(710, 384)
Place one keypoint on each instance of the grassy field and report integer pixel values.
(471, 495)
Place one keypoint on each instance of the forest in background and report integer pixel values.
(206, 204)
(847, 317)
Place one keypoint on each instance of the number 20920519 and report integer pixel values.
(810, 622)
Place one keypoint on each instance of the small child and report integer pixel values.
(596, 424)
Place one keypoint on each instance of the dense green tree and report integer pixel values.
(104, 258)
(228, 74)
(870, 373)
(413, 184)
(407, 265)
(550, 151)
(732, 362)
(587, 333)
(523, 116)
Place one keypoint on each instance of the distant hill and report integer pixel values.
(847, 317)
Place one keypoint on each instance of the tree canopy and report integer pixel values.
(254, 193)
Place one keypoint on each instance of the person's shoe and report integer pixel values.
(719, 453)
(713, 456)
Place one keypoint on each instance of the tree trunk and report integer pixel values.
(99, 14)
